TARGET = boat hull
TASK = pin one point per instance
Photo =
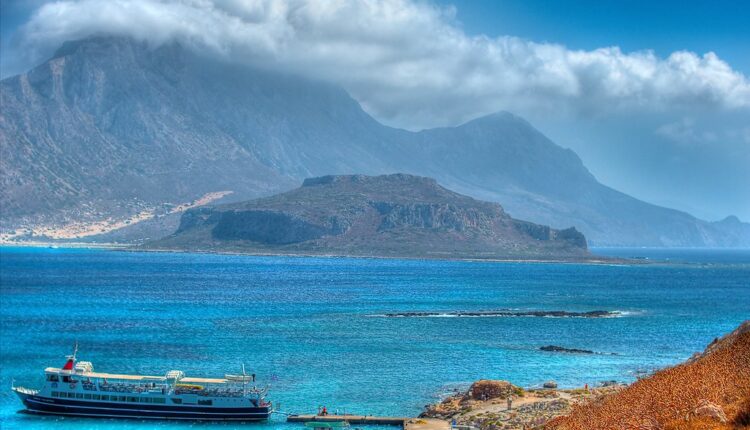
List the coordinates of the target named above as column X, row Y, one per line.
column 56, row 406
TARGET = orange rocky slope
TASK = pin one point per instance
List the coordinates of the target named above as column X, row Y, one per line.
column 710, row 391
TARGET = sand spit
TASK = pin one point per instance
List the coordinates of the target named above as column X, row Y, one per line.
column 79, row 230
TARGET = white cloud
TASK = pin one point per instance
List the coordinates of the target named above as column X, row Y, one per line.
column 686, row 132
column 407, row 62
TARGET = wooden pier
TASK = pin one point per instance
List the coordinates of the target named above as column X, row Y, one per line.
column 404, row 422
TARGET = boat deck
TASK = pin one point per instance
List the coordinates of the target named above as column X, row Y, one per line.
column 142, row 378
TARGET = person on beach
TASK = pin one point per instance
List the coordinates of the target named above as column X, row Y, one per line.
column 510, row 402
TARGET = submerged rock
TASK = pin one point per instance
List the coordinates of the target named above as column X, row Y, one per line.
column 555, row 348
column 541, row 314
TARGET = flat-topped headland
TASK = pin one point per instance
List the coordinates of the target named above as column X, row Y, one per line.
column 395, row 215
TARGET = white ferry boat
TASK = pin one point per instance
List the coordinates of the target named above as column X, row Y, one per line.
column 76, row 390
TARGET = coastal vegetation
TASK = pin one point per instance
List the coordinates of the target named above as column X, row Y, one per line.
column 709, row 391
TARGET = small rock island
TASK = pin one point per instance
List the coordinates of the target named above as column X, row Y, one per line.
column 395, row 215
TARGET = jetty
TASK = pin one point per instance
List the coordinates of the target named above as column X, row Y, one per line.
column 403, row 422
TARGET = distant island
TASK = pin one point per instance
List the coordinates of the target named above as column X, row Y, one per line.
column 395, row 215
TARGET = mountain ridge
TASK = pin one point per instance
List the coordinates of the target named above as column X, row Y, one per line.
column 110, row 127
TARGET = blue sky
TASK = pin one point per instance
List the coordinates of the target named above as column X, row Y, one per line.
column 665, row 26
column 654, row 96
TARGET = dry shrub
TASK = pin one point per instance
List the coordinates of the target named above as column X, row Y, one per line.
column 742, row 420
column 697, row 424
column 667, row 399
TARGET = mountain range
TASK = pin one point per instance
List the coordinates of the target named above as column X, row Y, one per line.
column 110, row 127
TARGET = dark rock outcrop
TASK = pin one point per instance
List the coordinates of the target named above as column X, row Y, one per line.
column 541, row 314
column 487, row 389
column 484, row 390
column 555, row 348
column 267, row 227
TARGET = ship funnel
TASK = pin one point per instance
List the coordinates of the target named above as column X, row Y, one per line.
column 70, row 363
column 71, row 359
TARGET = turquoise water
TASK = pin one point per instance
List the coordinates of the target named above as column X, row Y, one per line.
column 312, row 327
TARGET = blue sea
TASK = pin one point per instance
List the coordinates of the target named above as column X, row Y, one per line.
column 314, row 330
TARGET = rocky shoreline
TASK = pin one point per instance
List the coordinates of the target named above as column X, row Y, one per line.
column 485, row 404
column 709, row 391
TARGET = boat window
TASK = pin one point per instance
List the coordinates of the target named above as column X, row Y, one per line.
column 177, row 401
column 87, row 396
column 159, row 400
column 66, row 378
column 122, row 398
column 146, row 399
column 105, row 397
column 55, row 394
column 53, row 378
column 79, row 396
column 97, row 397
column 133, row 399
column 206, row 402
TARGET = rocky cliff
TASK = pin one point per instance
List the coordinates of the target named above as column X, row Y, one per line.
column 388, row 215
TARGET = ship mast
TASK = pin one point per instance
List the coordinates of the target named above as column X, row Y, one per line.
column 71, row 359
column 244, row 381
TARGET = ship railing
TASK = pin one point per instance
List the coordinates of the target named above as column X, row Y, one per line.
column 131, row 388
column 211, row 392
column 115, row 387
